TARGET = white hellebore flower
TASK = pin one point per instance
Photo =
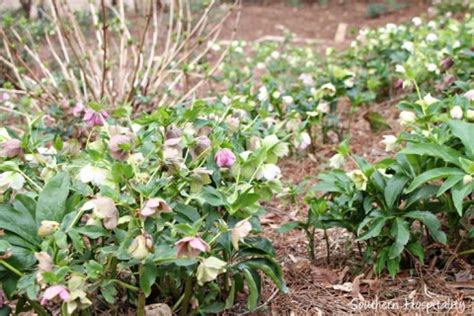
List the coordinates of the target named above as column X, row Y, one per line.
column 407, row 117
column 429, row 99
column 287, row 99
column 307, row 79
column 240, row 231
column 400, row 69
column 359, row 179
column 469, row 95
column 323, row 107
column 336, row 161
column 11, row 180
column 225, row 100
column 416, row 21
column 432, row 37
column 275, row 55
column 269, row 172
column 276, row 95
column 432, row 67
column 262, row 94
column 409, row 46
column 456, row 112
column 303, row 141
column 328, row 89
column 390, row 142
column 95, row 175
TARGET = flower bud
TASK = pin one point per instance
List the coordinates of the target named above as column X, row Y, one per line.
column 456, row 112
column 47, row 228
column 447, row 63
column 470, row 115
column 141, row 246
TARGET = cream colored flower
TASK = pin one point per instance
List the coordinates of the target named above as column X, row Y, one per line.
column 359, row 179
column 209, row 269
column 239, row 232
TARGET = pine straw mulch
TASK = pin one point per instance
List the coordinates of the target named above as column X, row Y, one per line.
column 338, row 287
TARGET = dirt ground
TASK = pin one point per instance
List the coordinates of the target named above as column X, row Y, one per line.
column 313, row 21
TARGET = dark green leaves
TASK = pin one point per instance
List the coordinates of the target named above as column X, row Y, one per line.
column 52, row 200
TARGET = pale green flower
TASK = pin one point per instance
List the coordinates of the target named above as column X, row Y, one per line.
column 359, row 179
column 209, row 269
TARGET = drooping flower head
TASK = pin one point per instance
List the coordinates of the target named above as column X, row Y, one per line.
column 118, row 146
column 225, row 158
column 191, row 247
column 154, row 206
column 55, row 291
column 93, row 118
column 10, row 148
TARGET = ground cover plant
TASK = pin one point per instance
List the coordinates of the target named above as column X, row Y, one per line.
column 136, row 168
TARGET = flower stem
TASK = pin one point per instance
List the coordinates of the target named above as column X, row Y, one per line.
column 188, row 291
column 11, row 268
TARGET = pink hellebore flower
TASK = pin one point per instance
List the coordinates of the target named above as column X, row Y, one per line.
column 10, row 148
column 115, row 146
column 54, row 291
column 154, row 206
column 77, row 109
column 5, row 97
column 224, row 158
column 191, row 247
column 93, row 118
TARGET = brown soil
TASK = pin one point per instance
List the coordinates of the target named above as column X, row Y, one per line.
column 313, row 21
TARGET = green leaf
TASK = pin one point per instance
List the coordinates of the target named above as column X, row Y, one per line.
column 148, row 274
column 417, row 250
column 467, row 165
column 432, row 175
column 213, row 197
column 252, row 288
column 434, row 150
column 229, row 302
column 52, row 200
column 449, row 183
column 393, row 265
column 374, row 230
column 288, row 226
column 271, row 269
column 394, row 188
column 402, row 236
column 431, row 222
column 92, row 231
column 465, row 132
column 459, row 192
column 19, row 223
column 381, row 260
